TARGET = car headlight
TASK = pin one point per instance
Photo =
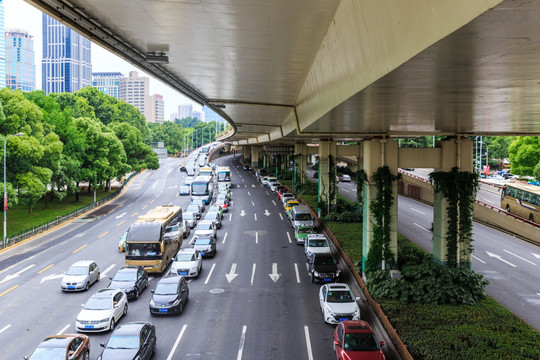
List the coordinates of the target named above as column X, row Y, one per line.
column 129, row 289
column 338, row 273
column 152, row 303
column 317, row 274
column 176, row 302
column 104, row 320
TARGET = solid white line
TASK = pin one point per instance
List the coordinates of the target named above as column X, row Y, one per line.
column 242, row 339
column 224, row 238
column 245, row 186
column 210, row 273
column 488, row 201
column 63, row 329
column 5, row 328
column 538, row 294
column 249, row 193
column 519, row 257
column 418, row 211
column 253, row 272
column 252, row 203
column 274, row 202
column 177, row 342
column 280, row 216
column 345, row 190
column 243, row 180
column 307, row 267
column 289, row 236
column 308, row 343
column 104, row 274
column 297, row 273
column 230, row 217
column 255, row 216
column 421, row 227
column 256, row 237
column 267, row 193
column 482, row 261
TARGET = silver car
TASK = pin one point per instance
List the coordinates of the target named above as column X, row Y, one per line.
column 80, row 276
column 191, row 218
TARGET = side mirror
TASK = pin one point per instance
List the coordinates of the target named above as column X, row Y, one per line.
column 152, row 291
column 102, row 344
column 382, row 343
column 336, row 342
column 110, row 277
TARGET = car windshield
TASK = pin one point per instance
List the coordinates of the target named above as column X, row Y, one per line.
column 324, row 260
column 98, row 303
column 166, row 289
column 188, row 216
column 303, row 217
column 185, row 257
column 171, row 229
column 360, row 342
column 47, row 353
column 77, row 270
column 193, row 208
column 123, row 342
column 204, row 226
column 305, row 230
column 339, row 296
column 125, row 276
column 203, row 241
column 318, row 243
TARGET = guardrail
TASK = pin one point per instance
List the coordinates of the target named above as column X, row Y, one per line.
column 27, row 233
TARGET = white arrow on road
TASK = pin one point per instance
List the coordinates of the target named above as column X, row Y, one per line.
column 17, row 274
column 242, row 213
column 266, row 212
column 51, row 277
column 274, row 275
column 499, row 257
column 536, row 255
column 232, row 274
column 121, row 215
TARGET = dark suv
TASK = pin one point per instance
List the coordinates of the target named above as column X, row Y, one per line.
column 132, row 340
column 132, row 280
column 323, row 268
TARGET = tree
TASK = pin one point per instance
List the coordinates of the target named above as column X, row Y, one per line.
column 524, row 155
column 33, row 185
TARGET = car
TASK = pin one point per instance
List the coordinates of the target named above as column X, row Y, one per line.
column 80, row 275
column 183, row 169
column 261, row 173
column 65, row 346
column 264, row 180
column 132, row 340
column 216, row 208
column 185, row 190
column 345, row 178
column 285, row 197
column 338, row 303
column 281, row 191
column 191, row 218
column 186, row 228
column 290, row 203
column 301, row 233
column 132, row 280
column 273, row 186
column 354, row 339
column 278, row 188
column 189, row 179
column 206, row 244
column 102, row 311
column 214, row 216
column 199, row 202
column 316, row 243
column 270, row 181
column 323, row 268
column 223, row 204
column 122, row 242
column 223, row 186
column 246, row 167
column 170, row 296
column 224, row 195
column 196, row 209
column 187, row 262
column 206, row 228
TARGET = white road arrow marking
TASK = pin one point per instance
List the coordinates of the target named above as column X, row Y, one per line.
column 232, row 274
column 274, row 275
column 500, row 258
column 51, row 277
column 121, row 215
column 536, row 255
column 519, row 257
column 266, row 212
column 104, row 274
column 17, row 274
column 242, row 213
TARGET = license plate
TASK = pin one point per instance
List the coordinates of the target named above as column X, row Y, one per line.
column 202, row 254
column 182, row 273
column 71, row 287
column 343, row 319
column 327, row 279
column 88, row 326
column 163, row 310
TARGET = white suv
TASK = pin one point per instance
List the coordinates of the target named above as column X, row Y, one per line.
column 316, row 243
column 338, row 303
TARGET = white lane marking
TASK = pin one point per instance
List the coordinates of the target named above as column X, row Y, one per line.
column 121, row 215
column 63, row 329
column 242, row 340
column 17, row 274
column 307, row 267
column 418, row 211
column 243, row 180
column 5, row 328
column 538, row 294
column 500, row 258
column 104, row 274
column 256, row 237
column 280, row 216
column 267, row 193
column 245, row 186
column 249, row 193
column 230, row 202
column 289, row 236
column 255, row 216
column 421, row 227
column 230, row 217
column 345, row 190
column 308, row 343
column 177, row 342
column 297, row 273
column 253, row 273
column 224, row 238
column 482, row 261
column 252, row 203
column 519, row 257
column 232, row 274
column 274, row 202
column 210, row 273
column 536, row 255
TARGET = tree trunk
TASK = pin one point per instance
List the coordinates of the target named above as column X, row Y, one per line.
column 77, row 192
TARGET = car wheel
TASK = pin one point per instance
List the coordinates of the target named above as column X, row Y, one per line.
column 508, row 208
column 312, row 278
column 136, row 294
column 531, row 218
column 86, row 355
column 154, row 348
column 125, row 310
column 112, row 324
column 87, row 285
column 98, row 276
column 181, row 308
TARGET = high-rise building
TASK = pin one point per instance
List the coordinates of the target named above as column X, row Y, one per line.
column 66, row 64
column 158, row 109
column 210, row 115
column 2, row 47
column 173, row 116
column 107, row 82
column 20, row 66
column 134, row 90
column 185, row 111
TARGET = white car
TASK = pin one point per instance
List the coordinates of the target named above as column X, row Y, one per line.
column 187, row 262
column 285, row 197
column 206, row 228
column 345, row 178
column 191, row 218
column 338, row 303
column 174, row 232
column 102, row 311
column 316, row 243
column 80, row 276
column 270, row 181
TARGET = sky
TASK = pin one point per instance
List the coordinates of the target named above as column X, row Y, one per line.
column 21, row 15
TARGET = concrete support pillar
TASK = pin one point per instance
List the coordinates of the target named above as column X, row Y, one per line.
column 255, row 156
column 378, row 153
column 454, row 153
column 300, row 150
column 246, row 153
column 326, row 148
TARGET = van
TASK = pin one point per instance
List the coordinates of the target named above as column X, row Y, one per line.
column 301, row 216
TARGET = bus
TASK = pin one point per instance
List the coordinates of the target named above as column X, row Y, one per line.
column 224, row 174
column 150, row 243
column 202, row 188
column 522, row 200
column 206, row 171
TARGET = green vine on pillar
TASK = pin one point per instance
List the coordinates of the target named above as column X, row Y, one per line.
column 361, row 178
column 459, row 188
column 332, row 184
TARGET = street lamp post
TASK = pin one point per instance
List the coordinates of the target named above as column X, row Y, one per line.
column 5, row 190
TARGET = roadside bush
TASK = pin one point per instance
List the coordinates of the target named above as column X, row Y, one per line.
column 307, row 188
column 346, row 217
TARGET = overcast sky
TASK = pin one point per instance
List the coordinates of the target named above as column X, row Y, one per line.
column 19, row 14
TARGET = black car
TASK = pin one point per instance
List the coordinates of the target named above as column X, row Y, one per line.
column 323, row 268
column 133, row 280
column 183, row 169
column 132, row 340
column 170, row 296
column 246, row 167
column 206, row 245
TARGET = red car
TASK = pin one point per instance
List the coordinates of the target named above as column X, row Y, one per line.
column 281, row 191
column 354, row 340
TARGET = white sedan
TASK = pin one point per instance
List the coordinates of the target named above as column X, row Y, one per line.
column 338, row 303
column 102, row 311
column 188, row 263
column 316, row 243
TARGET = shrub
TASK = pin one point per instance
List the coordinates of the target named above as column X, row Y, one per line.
column 346, row 217
column 307, row 188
